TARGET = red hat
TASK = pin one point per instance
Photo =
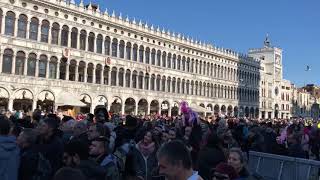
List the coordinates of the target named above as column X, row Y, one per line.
column 225, row 168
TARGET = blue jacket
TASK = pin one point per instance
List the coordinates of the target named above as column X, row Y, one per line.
column 9, row 158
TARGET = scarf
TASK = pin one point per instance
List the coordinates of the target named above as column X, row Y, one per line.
column 146, row 149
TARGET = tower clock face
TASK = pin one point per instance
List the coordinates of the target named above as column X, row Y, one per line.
column 276, row 91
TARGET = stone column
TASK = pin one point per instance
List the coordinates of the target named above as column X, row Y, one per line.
column 67, row 71
column 117, row 78
column 76, row 78
column 136, row 109
column 101, row 76
column 159, row 110
column 109, row 77
column 92, row 106
column 47, row 69
column 13, row 67
column 78, row 40
column 169, row 111
column 94, row 74
column 58, row 70
column 50, row 36
column 122, row 109
column 28, row 29
column 15, row 33
column 39, row 31
column 25, row 66
column 10, row 104
column 3, row 22
column 69, row 38
column 143, row 84
column 131, row 80
column 34, row 104
column 148, row 109
column 85, row 75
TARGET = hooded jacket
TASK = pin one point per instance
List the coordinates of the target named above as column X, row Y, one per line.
column 9, row 158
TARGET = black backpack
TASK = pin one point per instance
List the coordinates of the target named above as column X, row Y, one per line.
column 44, row 169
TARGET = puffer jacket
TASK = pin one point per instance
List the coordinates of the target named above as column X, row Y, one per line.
column 9, row 158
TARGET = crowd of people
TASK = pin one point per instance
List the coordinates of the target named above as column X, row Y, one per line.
column 101, row 146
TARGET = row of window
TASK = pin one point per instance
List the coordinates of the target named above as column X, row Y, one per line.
column 113, row 47
column 54, row 69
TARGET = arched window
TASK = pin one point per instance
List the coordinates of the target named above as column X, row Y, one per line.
column 91, row 40
column 174, row 62
column 120, row 77
column 10, row 22
column 34, row 26
column 147, row 55
column 43, row 66
column 45, row 31
column 196, row 88
column 74, row 37
column 208, row 69
column 192, row 88
column 114, row 76
column 83, row 39
column 1, row 16
column 168, row 84
column 158, row 58
column 64, row 35
column 31, row 68
column 114, row 47
column 121, row 49
column 135, row 52
column 53, row 67
column 107, row 42
column 99, row 43
column 22, row 26
column 55, row 33
column 164, row 59
column 183, row 86
column 153, row 57
column 200, row 67
column 187, row 86
column 183, row 63
column 152, row 82
column 146, row 81
column 163, row 84
column 141, row 53
column 89, row 70
column 140, row 80
column 128, row 80
column 192, row 65
column 197, row 66
column 7, row 61
column 178, row 85
column 169, row 61
column 173, row 85
column 200, row 88
column 158, row 83
column 179, row 63
column 134, row 79
column 128, row 51
column 20, row 60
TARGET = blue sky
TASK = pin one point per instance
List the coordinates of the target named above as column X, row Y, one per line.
column 293, row 25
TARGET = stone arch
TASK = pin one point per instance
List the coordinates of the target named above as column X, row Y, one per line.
column 101, row 100
column 143, row 107
column 86, row 99
column 154, row 107
column 23, row 99
column 236, row 111
column 45, row 100
column 165, row 106
column 175, row 108
column 4, row 98
column 129, row 106
column 116, row 105
column 216, row 109
column 223, row 109
column 229, row 110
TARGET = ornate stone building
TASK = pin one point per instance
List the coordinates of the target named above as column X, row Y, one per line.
column 56, row 52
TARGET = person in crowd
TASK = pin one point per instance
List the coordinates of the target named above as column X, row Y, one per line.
column 237, row 160
column 174, row 161
column 50, row 141
column 67, row 126
column 305, row 142
column 76, row 155
column 68, row 173
column 9, row 152
column 210, row 156
column 101, row 114
column 224, row 171
column 29, row 155
column 80, row 132
column 294, row 145
column 96, row 130
column 144, row 156
column 100, row 152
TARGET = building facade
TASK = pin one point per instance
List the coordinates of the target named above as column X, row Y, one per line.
column 275, row 92
column 51, row 50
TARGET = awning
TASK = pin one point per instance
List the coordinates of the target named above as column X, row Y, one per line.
column 199, row 109
column 68, row 99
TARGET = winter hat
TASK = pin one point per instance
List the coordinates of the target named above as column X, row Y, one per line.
column 227, row 169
